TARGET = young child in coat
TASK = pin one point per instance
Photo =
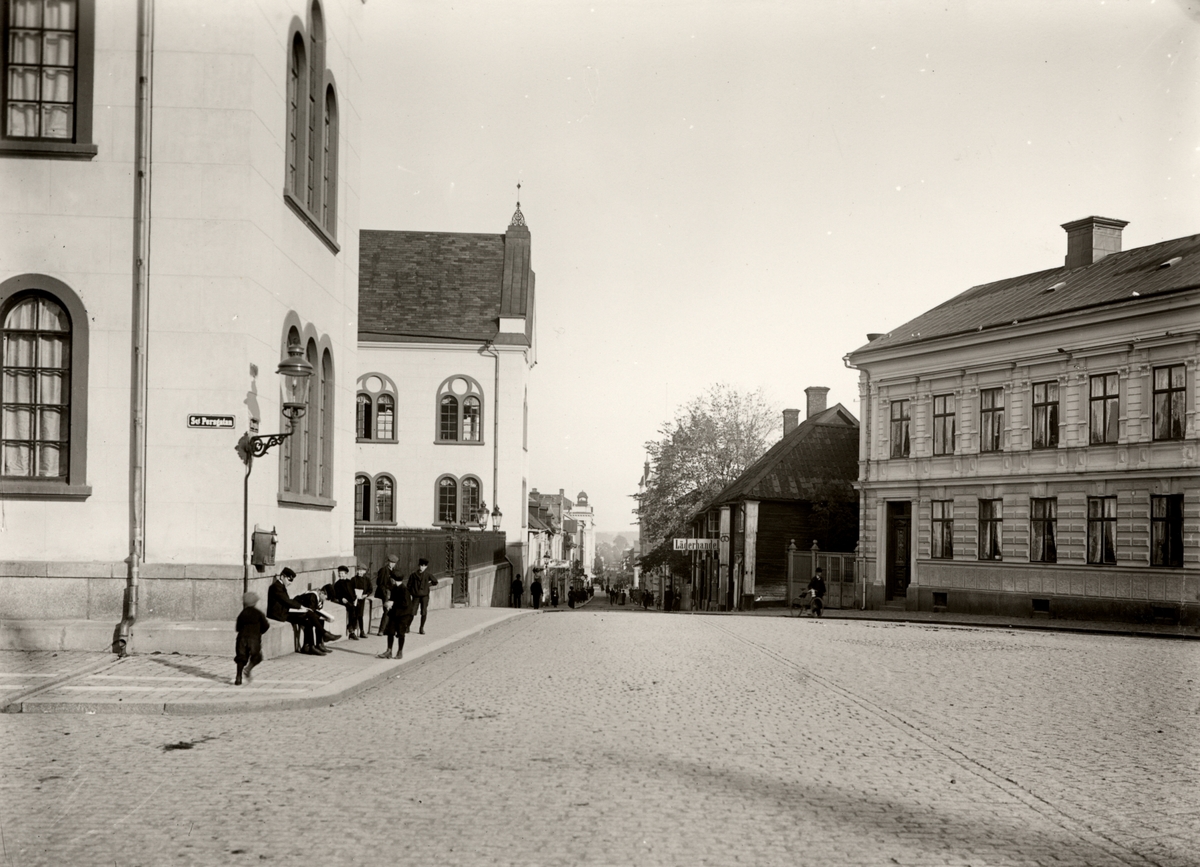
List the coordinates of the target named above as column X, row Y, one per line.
column 251, row 624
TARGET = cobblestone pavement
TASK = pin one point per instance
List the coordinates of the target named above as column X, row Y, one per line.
column 602, row 737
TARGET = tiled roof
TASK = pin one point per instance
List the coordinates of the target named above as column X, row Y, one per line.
column 429, row 284
column 819, row 457
column 1129, row 277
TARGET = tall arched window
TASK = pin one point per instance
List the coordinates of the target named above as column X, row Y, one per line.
column 329, row 163
column 325, row 447
column 447, row 500
column 362, row 422
column 460, row 411
column 36, row 392
column 295, row 119
column 311, row 423
column 306, row 458
column 385, row 417
column 316, row 67
column 470, row 500
column 362, row 498
column 384, row 486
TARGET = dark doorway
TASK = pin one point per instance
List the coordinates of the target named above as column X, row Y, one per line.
column 899, row 540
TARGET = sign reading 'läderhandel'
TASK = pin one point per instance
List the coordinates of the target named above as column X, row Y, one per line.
column 218, row 422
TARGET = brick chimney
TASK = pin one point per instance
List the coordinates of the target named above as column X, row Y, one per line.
column 816, row 399
column 791, row 418
column 1091, row 239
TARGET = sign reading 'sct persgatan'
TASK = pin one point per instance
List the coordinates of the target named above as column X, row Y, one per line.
column 216, row 422
column 695, row 544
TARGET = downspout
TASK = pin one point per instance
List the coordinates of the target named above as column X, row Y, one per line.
column 141, row 319
column 490, row 349
column 865, row 411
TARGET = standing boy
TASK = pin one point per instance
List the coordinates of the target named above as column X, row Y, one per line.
column 398, row 613
column 419, row 583
column 251, row 624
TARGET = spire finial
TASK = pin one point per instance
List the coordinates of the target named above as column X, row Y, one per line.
column 518, row 219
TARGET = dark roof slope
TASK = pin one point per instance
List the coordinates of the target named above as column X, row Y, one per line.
column 819, row 457
column 1119, row 278
column 429, row 284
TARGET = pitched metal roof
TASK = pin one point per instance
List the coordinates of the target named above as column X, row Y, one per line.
column 817, row 458
column 1129, row 277
column 443, row 285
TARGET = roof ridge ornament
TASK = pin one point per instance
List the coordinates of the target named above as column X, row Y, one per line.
column 518, row 219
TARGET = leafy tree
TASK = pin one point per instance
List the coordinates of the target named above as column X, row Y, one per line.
column 711, row 441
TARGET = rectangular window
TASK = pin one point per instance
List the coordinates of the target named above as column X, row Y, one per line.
column 943, row 424
column 1102, row 530
column 1104, row 401
column 942, row 530
column 1170, row 390
column 1043, row 530
column 1166, row 530
column 714, row 523
column 991, row 419
column 900, row 444
column 991, row 520
column 1045, row 415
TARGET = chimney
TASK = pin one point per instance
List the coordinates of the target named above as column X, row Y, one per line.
column 791, row 418
column 816, row 399
column 1091, row 239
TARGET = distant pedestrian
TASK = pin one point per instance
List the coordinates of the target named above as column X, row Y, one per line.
column 398, row 610
column 517, row 589
column 554, row 593
column 612, row 596
column 419, row 583
column 571, row 598
column 668, row 598
column 251, row 624
column 535, row 592
column 816, row 589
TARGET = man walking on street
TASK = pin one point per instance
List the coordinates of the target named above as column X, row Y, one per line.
column 535, row 591
column 518, row 590
column 419, row 583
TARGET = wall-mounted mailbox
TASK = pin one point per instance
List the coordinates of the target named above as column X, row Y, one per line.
column 262, row 548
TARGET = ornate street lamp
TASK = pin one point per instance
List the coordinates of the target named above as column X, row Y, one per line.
column 496, row 516
column 297, row 374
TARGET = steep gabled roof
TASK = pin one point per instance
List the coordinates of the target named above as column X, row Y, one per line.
column 1130, row 277
column 818, row 457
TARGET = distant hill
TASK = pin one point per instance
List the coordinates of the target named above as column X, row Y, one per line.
column 631, row 536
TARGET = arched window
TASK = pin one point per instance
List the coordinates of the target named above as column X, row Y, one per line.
column 362, row 498
column 362, row 422
column 43, row 388
column 329, row 163
column 37, row 389
column 384, row 486
column 306, row 457
column 460, row 411
column 316, row 67
column 470, row 500
column 325, row 480
column 447, row 500
column 311, row 423
column 295, row 108
column 385, row 418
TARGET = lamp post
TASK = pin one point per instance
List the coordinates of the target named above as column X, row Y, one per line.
column 296, row 373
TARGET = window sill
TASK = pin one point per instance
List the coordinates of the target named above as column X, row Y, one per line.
column 369, row 441
column 49, row 150
column 311, row 222
column 29, row 490
column 360, row 523
column 306, row 501
column 458, row 443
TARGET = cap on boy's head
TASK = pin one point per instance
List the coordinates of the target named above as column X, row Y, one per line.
column 392, row 558
column 819, row 570
column 360, row 565
column 343, row 568
column 287, row 573
column 249, row 599
column 422, row 562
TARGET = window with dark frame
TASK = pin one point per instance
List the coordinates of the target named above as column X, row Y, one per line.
column 1045, row 415
column 1104, row 404
column 991, row 419
column 362, row 421
column 1166, row 530
column 1043, row 530
column 385, row 417
column 448, row 418
column 470, row 500
column 362, row 498
column 447, row 500
column 1170, row 393
column 943, row 424
column 384, row 499
column 471, row 432
column 35, row 394
column 1102, row 531
column 899, row 432
column 991, row 518
column 942, row 530
column 459, row 411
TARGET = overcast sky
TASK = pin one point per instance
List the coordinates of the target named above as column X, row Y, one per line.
column 739, row 191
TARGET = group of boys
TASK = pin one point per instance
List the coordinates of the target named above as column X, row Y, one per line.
column 401, row 599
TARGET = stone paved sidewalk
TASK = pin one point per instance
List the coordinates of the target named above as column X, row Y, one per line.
column 45, row 682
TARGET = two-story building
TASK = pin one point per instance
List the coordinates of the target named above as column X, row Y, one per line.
column 180, row 216
column 1029, row 447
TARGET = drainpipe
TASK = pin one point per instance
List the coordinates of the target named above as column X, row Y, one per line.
column 490, row 349
column 865, row 409
column 141, row 319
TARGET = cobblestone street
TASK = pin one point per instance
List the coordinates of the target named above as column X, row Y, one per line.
column 611, row 736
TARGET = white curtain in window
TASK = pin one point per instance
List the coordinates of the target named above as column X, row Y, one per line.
column 26, row 13
column 18, row 350
column 18, row 423
column 18, row 386
column 16, row 459
column 61, row 14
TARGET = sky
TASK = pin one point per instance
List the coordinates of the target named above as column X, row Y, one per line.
column 739, row 192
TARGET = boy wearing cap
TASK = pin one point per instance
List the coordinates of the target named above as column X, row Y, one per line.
column 361, row 587
column 251, row 624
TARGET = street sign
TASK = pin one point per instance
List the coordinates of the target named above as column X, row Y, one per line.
column 695, row 544
column 215, row 422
